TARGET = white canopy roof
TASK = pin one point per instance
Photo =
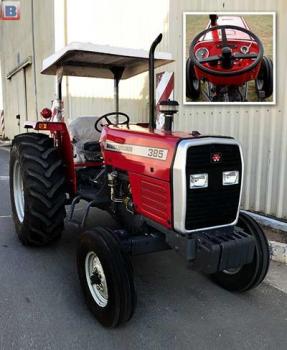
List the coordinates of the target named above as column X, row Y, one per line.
column 90, row 60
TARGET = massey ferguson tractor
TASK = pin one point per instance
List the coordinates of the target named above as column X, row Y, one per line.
column 223, row 59
column 166, row 189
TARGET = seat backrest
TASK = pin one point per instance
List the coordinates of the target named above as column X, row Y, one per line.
column 83, row 128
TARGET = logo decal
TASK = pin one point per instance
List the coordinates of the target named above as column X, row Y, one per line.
column 142, row 151
column 216, row 157
column 10, row 10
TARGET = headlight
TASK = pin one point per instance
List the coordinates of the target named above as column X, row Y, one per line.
column 198, row 181
column 230, row 178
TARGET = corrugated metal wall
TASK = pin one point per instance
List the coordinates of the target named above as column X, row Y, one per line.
column 262, row 130
column 129, row 23
column 31, row 36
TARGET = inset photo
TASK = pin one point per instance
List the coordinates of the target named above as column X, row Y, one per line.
column 229, row 58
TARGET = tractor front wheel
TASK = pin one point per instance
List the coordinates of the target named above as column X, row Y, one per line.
column 37, row 189
column 251, row 275
column 106, row 277
column 193, row 87
column 264, row 81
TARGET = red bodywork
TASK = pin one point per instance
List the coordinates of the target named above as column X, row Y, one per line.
column 150, row 179
column 211, row 41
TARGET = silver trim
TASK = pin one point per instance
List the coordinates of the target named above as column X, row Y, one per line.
column 179, row 181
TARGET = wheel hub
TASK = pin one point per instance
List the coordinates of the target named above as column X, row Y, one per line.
column 18, row 190
column 96, row 279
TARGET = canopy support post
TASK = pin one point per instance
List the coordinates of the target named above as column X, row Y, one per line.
column 59, row 102
column 118, row 73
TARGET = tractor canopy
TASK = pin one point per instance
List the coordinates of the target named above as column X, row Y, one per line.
column 101, row 61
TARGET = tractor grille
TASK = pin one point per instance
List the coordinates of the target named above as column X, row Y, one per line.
column 217, row 204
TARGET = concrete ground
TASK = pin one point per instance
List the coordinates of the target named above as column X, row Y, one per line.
column 41, row 305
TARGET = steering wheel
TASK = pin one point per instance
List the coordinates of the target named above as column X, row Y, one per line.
column 109, row 122
column 227, row 57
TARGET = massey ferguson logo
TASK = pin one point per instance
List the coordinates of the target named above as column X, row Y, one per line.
column 9, row 10
column 216, row 157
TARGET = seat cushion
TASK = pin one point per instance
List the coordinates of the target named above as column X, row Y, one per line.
column 83, row 129
column 85, row 138
column 92, row 146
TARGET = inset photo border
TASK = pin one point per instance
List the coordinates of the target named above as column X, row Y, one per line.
column 232, row 64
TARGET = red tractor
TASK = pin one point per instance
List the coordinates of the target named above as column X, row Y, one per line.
column 224, row 58
column 166, row 189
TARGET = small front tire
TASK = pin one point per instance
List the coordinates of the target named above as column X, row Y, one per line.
column 264, row 81
column 193, row 86
column 106, row 277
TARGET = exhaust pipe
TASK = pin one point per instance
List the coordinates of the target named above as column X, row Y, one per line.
column 151, row 82
column 213, row 20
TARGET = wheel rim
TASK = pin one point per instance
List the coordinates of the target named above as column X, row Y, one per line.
column 195, row 83
column 259, row 83
column 96, row 279
column 18, row 190
column 232, row 271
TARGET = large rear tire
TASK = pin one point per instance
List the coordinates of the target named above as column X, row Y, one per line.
column 37, row 189
column 106, row 277
column 251, row 275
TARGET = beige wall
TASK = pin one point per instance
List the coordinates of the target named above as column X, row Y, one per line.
column 16, row 45
column 262, row 130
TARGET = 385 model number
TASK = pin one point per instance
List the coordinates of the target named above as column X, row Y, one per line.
column 157, row 153
column 137, row 150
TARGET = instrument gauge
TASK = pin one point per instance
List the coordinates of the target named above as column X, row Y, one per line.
column 244, row 49
column 202, row 53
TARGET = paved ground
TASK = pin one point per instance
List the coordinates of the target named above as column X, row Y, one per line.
column 41, row 306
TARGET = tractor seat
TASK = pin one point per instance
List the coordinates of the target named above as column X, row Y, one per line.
column 85, row 139
column 92, row 151
column 92, row 146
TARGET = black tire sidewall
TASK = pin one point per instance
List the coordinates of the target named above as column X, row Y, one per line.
column 250, row 275
column 191, row 91
column 44, row 192
column 266, row 75
column 90, row 241
column 20, row 226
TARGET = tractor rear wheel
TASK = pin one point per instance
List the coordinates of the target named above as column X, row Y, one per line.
column 193, row 87
column 251, row 275
column 106, row 277
column 264, row 81
column 37, row 189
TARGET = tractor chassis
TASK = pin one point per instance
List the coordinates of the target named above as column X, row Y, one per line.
column 208, row 251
